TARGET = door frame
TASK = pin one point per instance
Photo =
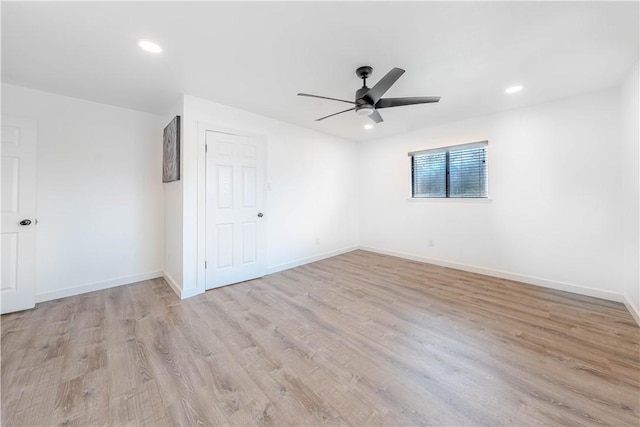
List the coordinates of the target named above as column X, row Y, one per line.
column 201, row 249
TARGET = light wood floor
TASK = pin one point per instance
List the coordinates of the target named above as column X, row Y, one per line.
column 360, row 339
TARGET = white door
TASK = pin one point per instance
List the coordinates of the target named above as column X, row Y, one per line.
column 235, row 201
column 18, row 171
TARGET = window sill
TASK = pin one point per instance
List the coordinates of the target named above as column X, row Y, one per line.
column 480, row 200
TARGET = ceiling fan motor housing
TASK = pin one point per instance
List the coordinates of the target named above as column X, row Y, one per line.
column 361, row 96
column 365, row 106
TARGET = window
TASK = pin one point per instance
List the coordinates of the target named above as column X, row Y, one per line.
column 450, row 172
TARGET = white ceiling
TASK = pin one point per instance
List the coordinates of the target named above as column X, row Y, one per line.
column 257, row 56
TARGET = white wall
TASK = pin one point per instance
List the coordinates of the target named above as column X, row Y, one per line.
column 555, row 183
column 99, row 192
column 313, row 181
column 559, row 216
column 173, row 205
column 630, row 159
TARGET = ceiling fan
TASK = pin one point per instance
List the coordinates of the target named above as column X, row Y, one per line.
column 369, row 100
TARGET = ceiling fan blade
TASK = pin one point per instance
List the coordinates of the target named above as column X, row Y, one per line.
column 324, row 97
column 398, row 102
column 380, row 88
column 376, row 117
column 335, row 114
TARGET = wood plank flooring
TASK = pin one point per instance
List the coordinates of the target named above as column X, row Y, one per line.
column 358, row 339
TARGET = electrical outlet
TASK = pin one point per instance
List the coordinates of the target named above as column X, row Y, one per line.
column 431, row 243
column 317, row 240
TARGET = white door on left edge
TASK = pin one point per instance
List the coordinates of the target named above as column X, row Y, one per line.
column 18, row 236
column 235, row 216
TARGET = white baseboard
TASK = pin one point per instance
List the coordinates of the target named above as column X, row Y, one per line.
column 182, row 294
column 77, row 290
column 635, row 311
column 188, row 293
column 561, row 286
column 303, row 261
column 172, row 283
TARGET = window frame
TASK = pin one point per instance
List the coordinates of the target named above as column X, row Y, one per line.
column 447, row 149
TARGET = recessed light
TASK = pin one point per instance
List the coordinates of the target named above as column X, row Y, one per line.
column 149, row 46
column 368, row 126
column 514, row 89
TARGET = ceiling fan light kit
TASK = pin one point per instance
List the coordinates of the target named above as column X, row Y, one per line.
column 369, row 100
column 365, row 110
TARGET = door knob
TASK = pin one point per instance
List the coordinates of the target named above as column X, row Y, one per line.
column 260, row 215
column 25, row 222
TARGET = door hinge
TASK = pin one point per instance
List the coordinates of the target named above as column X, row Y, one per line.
column 206, row 148
column 205, row 264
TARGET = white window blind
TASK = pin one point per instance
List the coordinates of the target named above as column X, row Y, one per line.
column 451, row 172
